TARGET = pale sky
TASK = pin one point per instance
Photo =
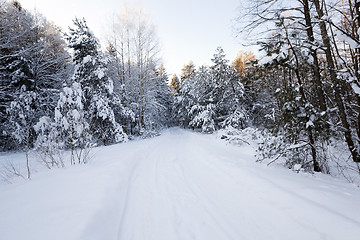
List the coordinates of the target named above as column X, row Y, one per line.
column 187, row 29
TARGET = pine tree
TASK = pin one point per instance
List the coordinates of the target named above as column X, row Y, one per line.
column 161, row 101
column 211, row 97
column 184, row 101
column 202, row 113
column 96, row 86
column 33, row 58
column 14, row 64
column 226, row 92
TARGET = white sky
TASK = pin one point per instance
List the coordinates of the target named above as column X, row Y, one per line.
column 187, row 29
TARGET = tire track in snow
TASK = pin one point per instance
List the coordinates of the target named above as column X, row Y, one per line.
column 126, row 197
column 130, row 183
column 205, row 201
column 183, row 186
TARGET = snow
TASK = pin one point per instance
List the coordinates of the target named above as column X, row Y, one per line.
column 65, row 124
column 88, row 58
column 309, row 124
column 356, row 88
column 352, row 43
column 266, row 60
column 41, row 125
column 67, row 91
column 181, row 185
column 297, row 167
column 58, row 116
column 76, row 115
column 100, row 74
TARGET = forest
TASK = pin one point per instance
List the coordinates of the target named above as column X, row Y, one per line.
column 60, row 90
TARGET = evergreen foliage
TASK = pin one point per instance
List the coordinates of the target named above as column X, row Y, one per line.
column 211, row 97
column 64, row 93
column 95, row 85
column 32, row 59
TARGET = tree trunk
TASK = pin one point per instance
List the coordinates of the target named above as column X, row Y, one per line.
column 315, row 66
column 316, row 164
column 356, row 59
column 337, row 87
column 27, row 163
column 304, row 102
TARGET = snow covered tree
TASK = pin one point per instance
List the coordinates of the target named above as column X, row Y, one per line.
column 202, row 112
column 14, row 65
column 22, row 117
column 226, row 92
column 288, row 52
column 49, row 65
column 96, row 86
column 135, row 52
column 33, row 56
column 50, row 143
column 120, row 98
column 312, row 72
column 211, row 97
column 203, row 118
column 159, row 99
column 71, row 124
column 184, row 101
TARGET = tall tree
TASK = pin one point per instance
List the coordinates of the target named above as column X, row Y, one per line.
column 185, row 99
column 211, row 97
column 227, row 92
column 22, row 120
column 312, row 70
column 136, row 49
column 354, row 148
column 33, row 58
column 97, row 87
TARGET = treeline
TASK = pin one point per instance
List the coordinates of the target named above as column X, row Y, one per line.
column 62, row 91
column 303, row 94
column 210, row 97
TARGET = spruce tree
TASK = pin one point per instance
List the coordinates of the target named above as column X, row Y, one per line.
column 33, row 58
column 96, row 85
column 227, row 92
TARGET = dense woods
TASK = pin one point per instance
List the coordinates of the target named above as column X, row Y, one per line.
column 311, row 75
column 62, row 91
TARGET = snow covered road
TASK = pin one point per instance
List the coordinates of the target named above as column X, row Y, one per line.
column 178, row 186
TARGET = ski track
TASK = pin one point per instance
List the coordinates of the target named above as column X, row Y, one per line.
column 185, row 189
column 188, row 186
